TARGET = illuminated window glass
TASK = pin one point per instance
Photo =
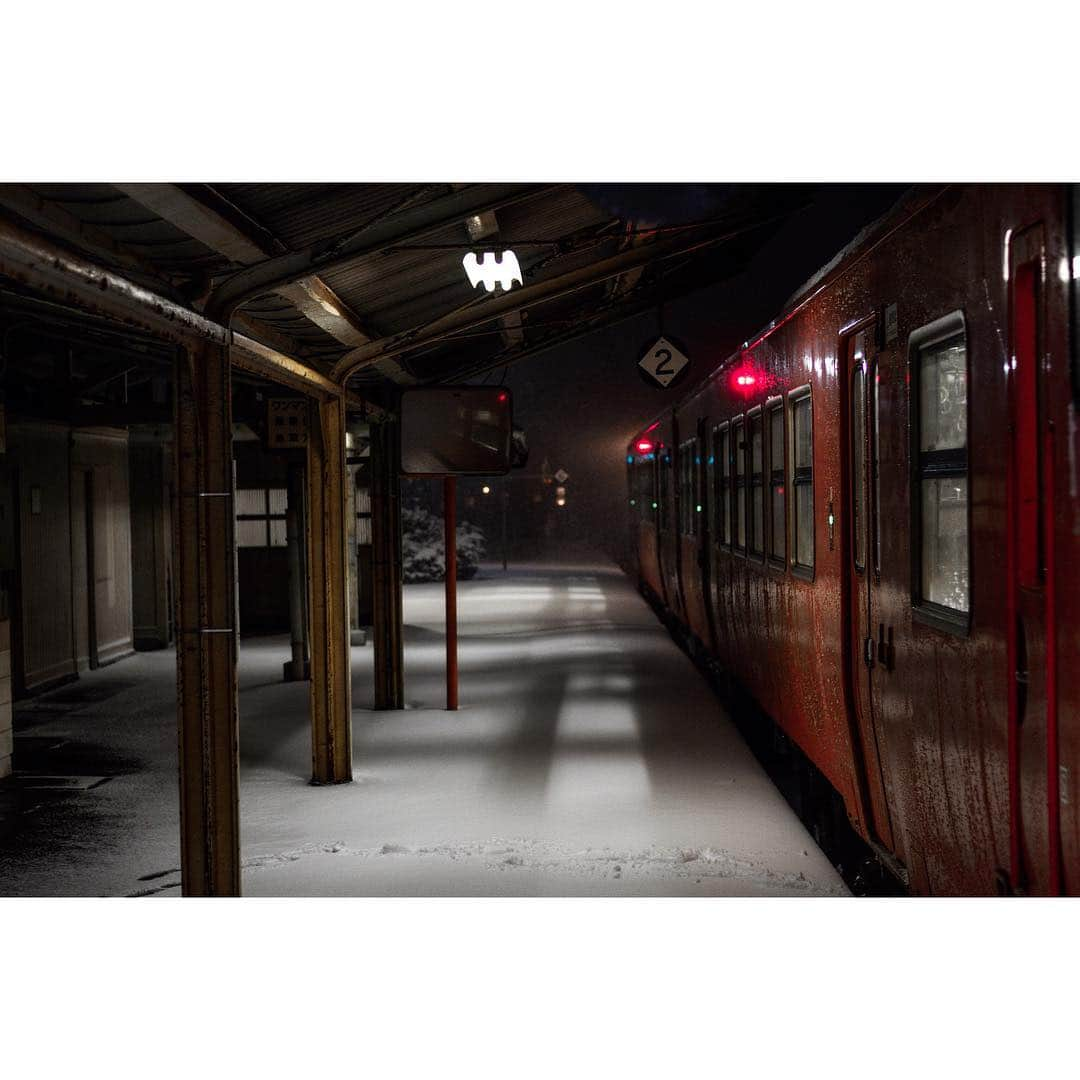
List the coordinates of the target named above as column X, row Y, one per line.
column 941, row 501
column 757, row 484
column 777, row 515
column 363, row 516
column 251, row 533
column 260, row 517
column 802, row 479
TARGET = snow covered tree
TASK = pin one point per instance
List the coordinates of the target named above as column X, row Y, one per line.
column 422, row 548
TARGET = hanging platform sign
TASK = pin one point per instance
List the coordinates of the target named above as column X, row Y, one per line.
column 664, row 364
column 491, row 270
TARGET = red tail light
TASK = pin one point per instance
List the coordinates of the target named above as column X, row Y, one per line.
column 745, row 378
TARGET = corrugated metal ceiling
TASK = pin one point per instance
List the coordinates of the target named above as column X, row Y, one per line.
column 400, row 289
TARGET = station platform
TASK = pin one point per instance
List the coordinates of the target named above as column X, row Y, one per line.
column 588, row 758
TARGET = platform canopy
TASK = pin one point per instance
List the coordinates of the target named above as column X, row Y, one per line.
column 365, row 283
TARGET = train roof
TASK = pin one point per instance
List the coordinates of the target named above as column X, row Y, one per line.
column 909, row 204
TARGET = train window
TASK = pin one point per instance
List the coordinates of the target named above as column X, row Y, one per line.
column 698, row 506
column 722, row 487
column 858, row 465
column 663, row 466
column 645, row 487
column 777, row 515
column 802, row 480
column 757, row 483
column 875, row 460
column 680, row 479
column 689, row 459
column 940, row 503
column 738, row 453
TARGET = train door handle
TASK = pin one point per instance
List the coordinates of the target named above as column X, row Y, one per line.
column 885, row 651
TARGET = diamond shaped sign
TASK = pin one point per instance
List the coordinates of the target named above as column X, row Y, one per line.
column 663, row 363
column 562, row 476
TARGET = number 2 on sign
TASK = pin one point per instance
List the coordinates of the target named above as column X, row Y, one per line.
column 664, row 356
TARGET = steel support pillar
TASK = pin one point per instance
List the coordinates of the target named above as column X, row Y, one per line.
column 205, row 623
column 328, row 597
column 389, row 644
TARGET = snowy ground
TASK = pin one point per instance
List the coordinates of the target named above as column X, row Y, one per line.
column 588, row 758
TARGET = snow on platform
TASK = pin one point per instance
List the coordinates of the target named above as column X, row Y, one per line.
column 589, row 757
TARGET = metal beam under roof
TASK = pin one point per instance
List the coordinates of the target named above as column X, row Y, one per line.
column 408, row 225
column 491, row 309
column 311, row 296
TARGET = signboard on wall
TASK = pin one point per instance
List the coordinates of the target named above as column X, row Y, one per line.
column 286, row 423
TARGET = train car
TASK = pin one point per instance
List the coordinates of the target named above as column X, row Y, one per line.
column 869, row 517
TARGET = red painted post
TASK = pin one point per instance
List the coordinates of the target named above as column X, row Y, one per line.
column 450, row 526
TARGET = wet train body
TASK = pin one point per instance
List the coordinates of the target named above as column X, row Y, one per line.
column 868, row 518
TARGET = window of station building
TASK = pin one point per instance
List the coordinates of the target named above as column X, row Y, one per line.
column 260, row 517
column 363, row 515
column 722, row 483
column 777, row 467
column 738, row 453
column 757, row 483
column 941, row 582
column 802, row 481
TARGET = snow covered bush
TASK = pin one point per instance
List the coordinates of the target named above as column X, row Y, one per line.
column 422, row 547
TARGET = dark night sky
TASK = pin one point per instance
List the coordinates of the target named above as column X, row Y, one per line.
column 580, row 403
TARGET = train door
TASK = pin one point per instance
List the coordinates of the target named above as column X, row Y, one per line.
column 706, row 525
column 869, row 644
column 665, row 548
column 1035, row 840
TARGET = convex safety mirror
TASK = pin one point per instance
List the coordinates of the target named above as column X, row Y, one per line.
column 456, row 431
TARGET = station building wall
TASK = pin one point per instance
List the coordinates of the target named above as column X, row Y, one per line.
column 73, row 550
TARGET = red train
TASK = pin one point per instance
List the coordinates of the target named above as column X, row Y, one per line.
column 869, row 517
